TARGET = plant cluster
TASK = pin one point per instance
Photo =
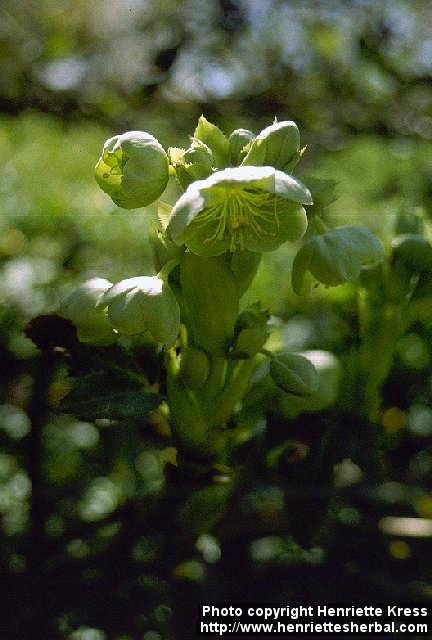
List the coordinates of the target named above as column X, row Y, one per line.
column 239, row 200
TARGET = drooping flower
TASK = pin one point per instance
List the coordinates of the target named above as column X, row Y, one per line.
column 81, row 308
column 144, row 303
column 254, row 208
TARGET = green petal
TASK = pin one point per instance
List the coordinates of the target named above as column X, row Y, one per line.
column 291, row 225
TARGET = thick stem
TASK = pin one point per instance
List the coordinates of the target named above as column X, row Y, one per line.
column 234, row 390
column 215, row 381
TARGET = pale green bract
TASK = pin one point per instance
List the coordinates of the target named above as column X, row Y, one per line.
column 336, row 256
column 253, row 208
column 81, row 308
column 144, row 303
column 133, row 169
column 277, row 146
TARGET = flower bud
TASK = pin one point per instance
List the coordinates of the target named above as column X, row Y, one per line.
column 133, row 169
column 294, row 374
column 196, row 163
column 239, row 141
column 80, row 307
column 276, row 146
column 141, row 304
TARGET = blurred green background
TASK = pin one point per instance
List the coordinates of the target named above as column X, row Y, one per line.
column 356, row 77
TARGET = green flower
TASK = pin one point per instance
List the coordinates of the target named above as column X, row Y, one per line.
column 142, row 304
column 133, row 169
column 254, row 208
column 81, row 308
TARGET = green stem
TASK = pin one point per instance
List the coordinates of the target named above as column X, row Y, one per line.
column 319, row 225
column 216, row 377
column 234, row 390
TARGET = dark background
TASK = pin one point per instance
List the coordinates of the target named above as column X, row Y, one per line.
column 92, row 553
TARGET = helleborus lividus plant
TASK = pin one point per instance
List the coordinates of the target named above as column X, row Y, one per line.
column 240, row 199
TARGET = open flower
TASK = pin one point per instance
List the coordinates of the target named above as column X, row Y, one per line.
column 254, row 208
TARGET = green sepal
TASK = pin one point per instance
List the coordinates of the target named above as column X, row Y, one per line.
column 275, row 146
column 329, row 372
column 249, row 342
column 213, row 137
column 204, row 508
column 294, row 374
column 336, row 256
column 239, row 142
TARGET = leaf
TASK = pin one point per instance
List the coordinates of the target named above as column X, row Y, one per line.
column 91, row 398
column 336, row 256
column 213, row 137
column 324, row 193
column 294, row 374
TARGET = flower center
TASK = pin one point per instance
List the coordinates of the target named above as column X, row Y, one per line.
column 241, row 211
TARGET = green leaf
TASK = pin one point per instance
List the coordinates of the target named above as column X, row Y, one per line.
column 91, row 398
column 336, row 256
column 294, row 374
column 213, row 137
column 324, row 193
